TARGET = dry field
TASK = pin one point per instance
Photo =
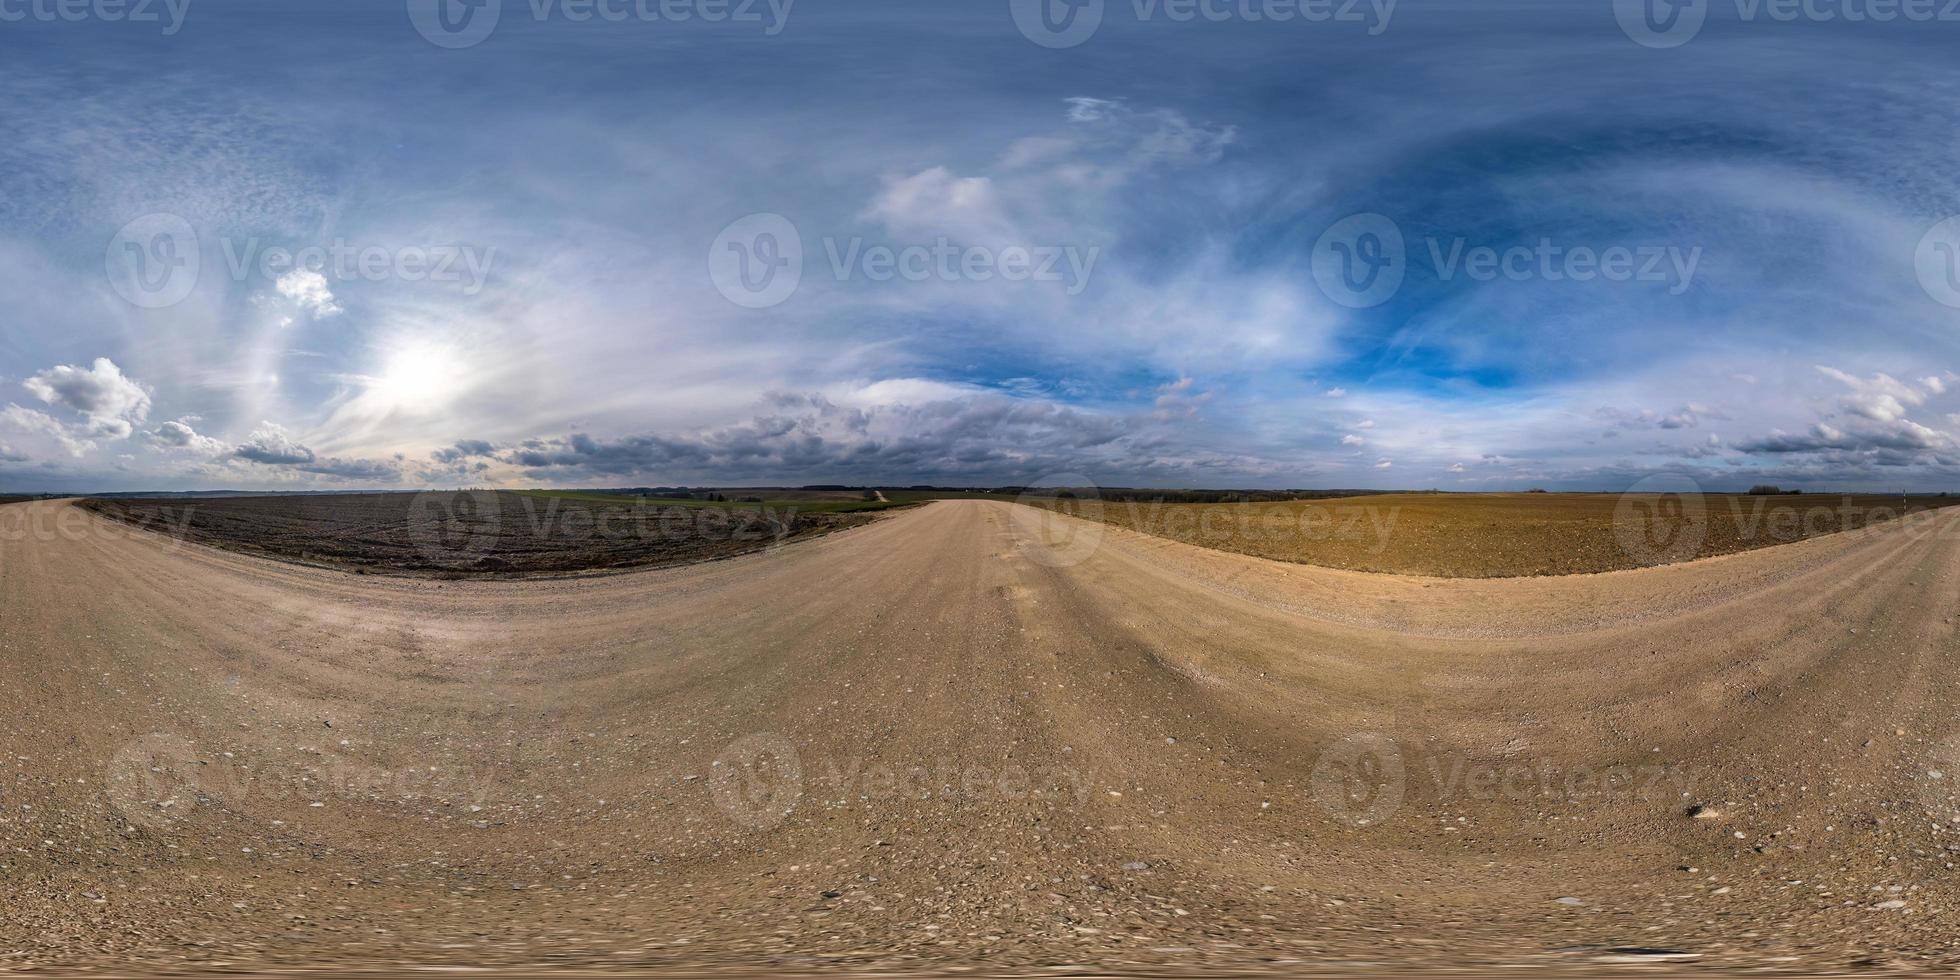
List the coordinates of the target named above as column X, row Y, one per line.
column 953, row 741
column 473, row 533
column 1501, row 535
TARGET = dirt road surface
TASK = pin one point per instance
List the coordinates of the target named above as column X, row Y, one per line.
column 975, row 735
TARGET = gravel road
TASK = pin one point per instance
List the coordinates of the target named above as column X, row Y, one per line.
column 975, row 735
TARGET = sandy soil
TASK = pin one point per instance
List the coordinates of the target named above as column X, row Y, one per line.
column 977, row 735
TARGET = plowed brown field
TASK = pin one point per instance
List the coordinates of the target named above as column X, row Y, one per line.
column 480, row 533
column 1500, row 535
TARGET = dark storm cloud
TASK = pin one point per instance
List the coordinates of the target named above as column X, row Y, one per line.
column 466, row 449
column 806, row 437
column 1902, row 442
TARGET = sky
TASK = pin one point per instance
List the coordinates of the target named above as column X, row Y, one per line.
column 1571, row 244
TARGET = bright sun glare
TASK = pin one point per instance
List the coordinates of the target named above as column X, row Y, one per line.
column 420, row 377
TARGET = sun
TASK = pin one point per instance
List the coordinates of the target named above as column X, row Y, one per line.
column 420, row 376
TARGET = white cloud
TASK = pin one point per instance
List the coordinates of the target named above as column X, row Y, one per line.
column 272, row 445
column 936, row 202
column 180, row 435
column 1147, row 136
column 111, row 402
column 1082, row 109
column 1337, row 392
column 1881, row 398
column 1353, row 441
column 45, row 430
column 1035, row 149
column 111, row 429
column 901, row 391
column 1177, row 400
column 310, row 290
